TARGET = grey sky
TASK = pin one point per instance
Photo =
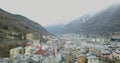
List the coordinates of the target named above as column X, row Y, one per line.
column 49, row 12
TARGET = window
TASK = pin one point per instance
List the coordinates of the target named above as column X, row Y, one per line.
column 20, row 52
column 90, row 60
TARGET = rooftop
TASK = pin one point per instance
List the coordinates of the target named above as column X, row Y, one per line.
column 92, row 57
column 105, row 51
column 17, row 48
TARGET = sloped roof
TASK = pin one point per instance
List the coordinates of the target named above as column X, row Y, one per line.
column 39, row 52
column 92, row 57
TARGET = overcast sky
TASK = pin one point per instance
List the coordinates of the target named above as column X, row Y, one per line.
column 50, row 12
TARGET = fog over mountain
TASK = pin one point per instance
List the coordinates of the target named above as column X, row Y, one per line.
column 105, row 22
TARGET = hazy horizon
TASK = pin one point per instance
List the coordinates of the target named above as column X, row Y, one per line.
column 52, row 12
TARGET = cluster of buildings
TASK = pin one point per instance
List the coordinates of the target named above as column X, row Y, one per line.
column 84, row 49
column 66, row 48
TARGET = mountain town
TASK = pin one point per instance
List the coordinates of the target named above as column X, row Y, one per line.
column 67, row 48
column 93, row 37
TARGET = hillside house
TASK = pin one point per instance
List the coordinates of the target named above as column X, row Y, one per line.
column 116, row 54
column 106, row 54
column 16, row 51
column 32, row 36
column 93, row 59
column 81, row 59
